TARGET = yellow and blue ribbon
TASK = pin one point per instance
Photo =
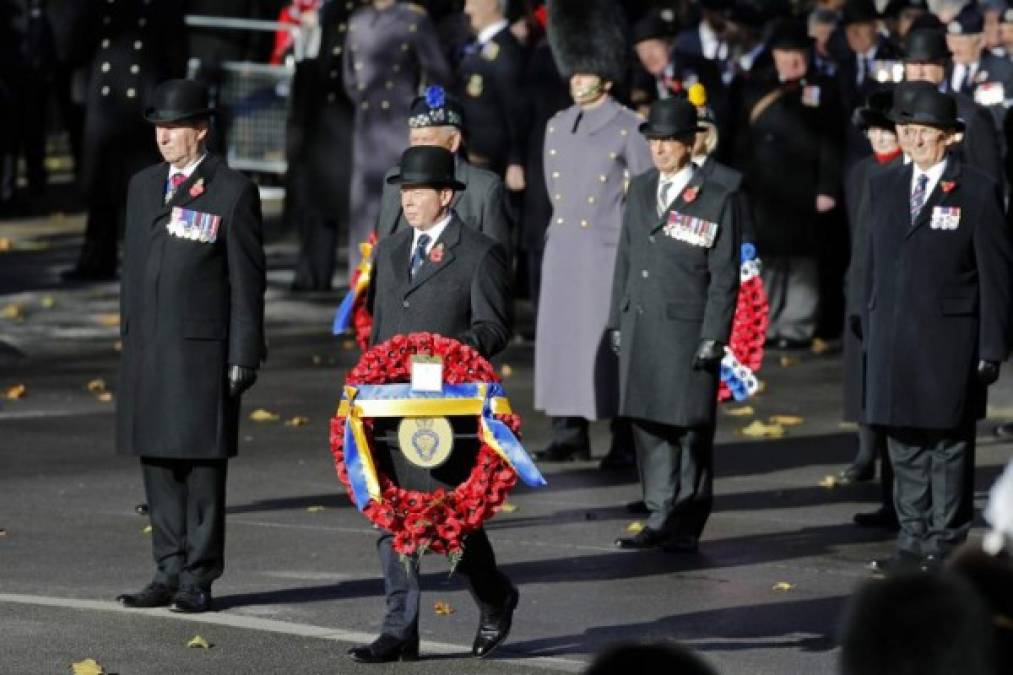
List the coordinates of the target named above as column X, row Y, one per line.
column 399, row 400
column 343, row 317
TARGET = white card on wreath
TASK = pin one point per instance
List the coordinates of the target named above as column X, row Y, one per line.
column 427, row 373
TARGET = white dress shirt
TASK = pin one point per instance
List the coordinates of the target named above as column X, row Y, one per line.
column 679, row 180
column 962, row 72
column 434, row 233
column 711, row 45
column 489, row 32
column 934, row 174
column 187, row 170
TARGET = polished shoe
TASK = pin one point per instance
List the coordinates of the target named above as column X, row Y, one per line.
column 152, row 595
column 563, row 453
column 642, row 540
column 899, row 563
column 386, row 649
column 617, row 460
column 638, row 507
column 493, row 627
column 882, row 518
column 680, row 545
column 856, row 474
column 191, row 600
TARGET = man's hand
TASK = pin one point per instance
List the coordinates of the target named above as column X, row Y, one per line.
column 241, row 378
column 615, row 341
column 825, row 203
column 708, row 355
column 988, row 372
column 514, row 178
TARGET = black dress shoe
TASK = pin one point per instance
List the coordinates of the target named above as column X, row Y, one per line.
column 386, row 649
column 563, row 453
column 638, row 507
column 191, row 601
column 857, row 474
column 933, row 562
column 152, row 595
column 881, row 517
column 899, row 563
column 644, row 539
column 493, row 627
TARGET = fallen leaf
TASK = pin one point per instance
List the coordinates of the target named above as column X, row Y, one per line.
column 786, row 420
column 109, row 319
column 16, row 392
column 3, row 532
column 261, row 415
column 297, row 421
column 118, row 346
column 819, row 346
column 146, row 530
column 847, row 426
column 828, row 481
column 317, row 359
column 348, row 345
column 198, row 642
column 87, row 667
column 13, row 311
column 741, row 411
column 47, row 302
column 105, row 397
column 5, row 244
column 507, row 507
column 314, row 509
column 634, row 527
column 761, row 387
column 788, row 361
column 97, row 386
column 443, row 608
column 783, row 586
column 757, row 429
column 506, row 370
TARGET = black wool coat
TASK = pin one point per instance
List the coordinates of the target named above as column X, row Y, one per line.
column 188, row 310
column 465, row 294
column 938, row 300
column 667, row 296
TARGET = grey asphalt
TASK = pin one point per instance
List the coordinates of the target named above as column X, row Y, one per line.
column 302, row 582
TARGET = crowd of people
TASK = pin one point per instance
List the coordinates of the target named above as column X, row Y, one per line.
column 612, row 161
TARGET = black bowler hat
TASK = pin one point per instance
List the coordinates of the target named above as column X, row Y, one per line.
column 427, row 166
column 435, row 108
column 652, row 26
column 926, row 44
column 671, row 118
column 747, row 13
column 969, row 21
column 789, row 34
column 932, row 108
column 903, row 98
column 895, row 7
column 859, row 11
column 876, row 112
column 178, row 101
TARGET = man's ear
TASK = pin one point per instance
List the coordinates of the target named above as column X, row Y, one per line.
column 446, row 196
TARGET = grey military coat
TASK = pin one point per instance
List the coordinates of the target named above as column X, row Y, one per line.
column 482, row 205
column 587, row 166
column 668, row 295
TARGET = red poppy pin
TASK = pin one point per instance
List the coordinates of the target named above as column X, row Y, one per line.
column 436, row 255
column 197, row 189
column 948, row 185
column 689, row 194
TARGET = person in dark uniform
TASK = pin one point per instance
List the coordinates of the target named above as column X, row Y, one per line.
column 490, row 91
column 320, row 149
column 465, row 294
column 673, row 299
column 438, row 119
column 192, row 321
column 936, row 323
column 137, row 45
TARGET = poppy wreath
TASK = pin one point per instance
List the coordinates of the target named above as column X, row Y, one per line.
column 352, row 313
column 749, row 330
column 434, row 521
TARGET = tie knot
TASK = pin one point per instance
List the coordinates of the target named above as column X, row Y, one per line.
column 423, row 240
column 922, row 181
column 177, row 179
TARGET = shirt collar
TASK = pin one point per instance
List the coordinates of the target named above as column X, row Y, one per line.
column 434, row 233
column 489, row 32
column 933, row 174
column 187, row 170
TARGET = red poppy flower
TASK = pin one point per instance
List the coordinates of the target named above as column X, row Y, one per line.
column 689, row 194
column 947, row 185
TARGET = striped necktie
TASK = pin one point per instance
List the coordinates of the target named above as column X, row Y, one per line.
column 666, row 185
column 918, row 196
column 419, row 256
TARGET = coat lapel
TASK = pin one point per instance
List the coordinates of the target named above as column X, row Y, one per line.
column 938, row 197
column 448, row 240
column 679, row 203
column 400, row 258
column 204, row 172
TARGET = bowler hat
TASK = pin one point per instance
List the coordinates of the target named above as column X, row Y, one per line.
column 926, row 44
column 789, row 34
column 427, row 166
column 435, row 108
column 178, row 101
column 969, row 21
column 895, row 7
column 875, row 112
column 903, row 98
column 652, row 26
column 671, row 118
column 859, row 11
column 932, row 108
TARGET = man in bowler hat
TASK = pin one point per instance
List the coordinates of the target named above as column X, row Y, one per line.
column 437, row 276
column 673, row 298
column 192, row 321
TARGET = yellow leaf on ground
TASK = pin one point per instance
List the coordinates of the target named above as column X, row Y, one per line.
column 757, row 429
column 118, row 346
column 97, row 386
column 787, row 420
column 506, row 370
column 507, row 507
column 47, row 302
column 105, row 396
column 3, row 532
column 261, row 415
column 5, row 244
column 828, row 481
column 198, row 642
column 761, row 387
column 317, row 359
column 443, row 608
column 15, row 392
column 783, row 586
column 348, row 345
column 13, row 311
column 109, row 319
column 634, row 527
column 87, row 667
column 788, row 361
column 819, row 346
column 741, row 411
column 297, row 421
column 146, row 530
column 314, row 509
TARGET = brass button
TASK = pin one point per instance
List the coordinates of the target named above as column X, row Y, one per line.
column 559, row 221
column 602, row 178
column 105, row 43
column 134, row 69
column 552, row 151
column 396, row 68
column 358, row 65
column 612, row 155
column 551, row 129
column 584, row 223
column 105, row 67
column 105, row 90
column 138, row 44
column 334, row 73
column 623, row 132
column 342, row 27
column 404, row 46
column 388, row 84
column 337, row 51
column 385, row 105
column 365, row 105
column 406, row 304
column 413, row 28
column 558, row 197
column 644, row 273
column 131, row 93
column 362, row 86
column 106, row 20
column 555, row 174
column 590, row 200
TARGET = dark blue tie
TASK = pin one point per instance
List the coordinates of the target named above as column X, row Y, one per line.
column 419, row 256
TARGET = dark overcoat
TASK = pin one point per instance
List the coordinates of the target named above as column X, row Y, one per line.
column 981, row 146
column 667, row 296
column 714, row 170
column 938, row 299
column 188, row 310
column 464, row 295
column 482, row 205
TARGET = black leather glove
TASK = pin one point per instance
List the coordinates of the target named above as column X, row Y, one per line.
column 708, row 355
column 855, row 324
column 988, row 372
column 241, row 378
column 615, row 341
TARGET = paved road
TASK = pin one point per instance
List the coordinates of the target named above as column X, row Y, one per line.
column 302, row 583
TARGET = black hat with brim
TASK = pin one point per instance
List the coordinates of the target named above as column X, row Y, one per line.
column 859, row 11
column 671, row 118
column 926, row 45
column 427, row 166
column 652, row 27
column 789, row 34
column 929, row 107
column 175, row 101
column 875, row 112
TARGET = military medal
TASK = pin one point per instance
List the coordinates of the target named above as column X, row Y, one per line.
column 989, row 94
column 475, row 85
column 490, row 50
column 425, row 442
column 690, row 229
column 811, row 96
column 945, row 218
column 193, row 225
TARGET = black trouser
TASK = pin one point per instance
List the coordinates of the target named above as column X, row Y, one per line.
column 572, row 432
column 318, row 240
column 101, row 238
column 872, row 445
column 677, row 476
column 933, row 487
column 186, row 504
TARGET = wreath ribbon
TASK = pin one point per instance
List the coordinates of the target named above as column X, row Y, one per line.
column 343, row 317
column 399, row 400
